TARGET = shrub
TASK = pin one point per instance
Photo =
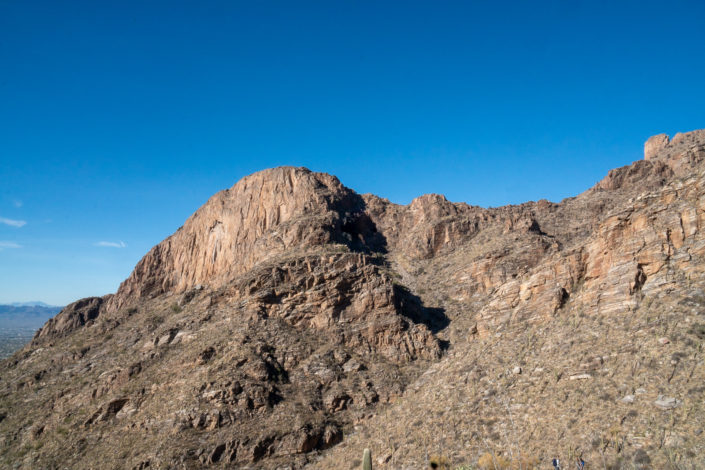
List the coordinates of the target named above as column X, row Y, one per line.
column 641, row 458
column 439, row 462
column 526, row 463
column 492, row 462
column 155, row 320
column 698, row 330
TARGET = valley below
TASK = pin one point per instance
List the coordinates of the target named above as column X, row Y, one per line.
column 19, row 323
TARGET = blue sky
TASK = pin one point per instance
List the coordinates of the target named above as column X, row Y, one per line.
column 119, row 119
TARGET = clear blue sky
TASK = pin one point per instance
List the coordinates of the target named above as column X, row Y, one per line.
column 119, row 119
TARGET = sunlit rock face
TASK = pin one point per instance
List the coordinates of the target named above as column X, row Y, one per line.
column 290, row 314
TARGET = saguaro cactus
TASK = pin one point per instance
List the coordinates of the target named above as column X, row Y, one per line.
column 366, row 460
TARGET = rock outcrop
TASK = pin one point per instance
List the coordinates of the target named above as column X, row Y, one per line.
column 654, row 145
column 347, row 297
column 72, row 317
column 682, row 153
column 261, row 217
column 290, row 315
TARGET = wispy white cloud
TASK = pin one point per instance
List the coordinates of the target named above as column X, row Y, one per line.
column 4, row 245
column 17, row 203
column 119, row 244
column 12, row 222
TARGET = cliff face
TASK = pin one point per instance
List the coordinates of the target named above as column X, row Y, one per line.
column 289, row 311
column 261, row 217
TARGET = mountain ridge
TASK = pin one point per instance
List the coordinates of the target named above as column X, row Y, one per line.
column 26, row 315
column 33, row 303
column 290, row 319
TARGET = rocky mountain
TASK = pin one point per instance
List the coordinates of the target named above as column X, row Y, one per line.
column 292, row 322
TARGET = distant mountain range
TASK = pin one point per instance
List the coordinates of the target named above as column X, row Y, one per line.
column 31, row 304
column 26, row 315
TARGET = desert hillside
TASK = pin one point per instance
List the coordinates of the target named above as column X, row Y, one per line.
column 291, row 322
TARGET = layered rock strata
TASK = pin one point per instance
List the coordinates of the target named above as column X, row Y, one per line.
column 290, row 315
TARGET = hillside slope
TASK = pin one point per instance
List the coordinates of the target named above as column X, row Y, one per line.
column 292, row 322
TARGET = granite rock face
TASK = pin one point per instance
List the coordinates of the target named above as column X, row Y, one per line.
column 654, row 145
column 682, row 154
column 262, row 216
column 290, row 314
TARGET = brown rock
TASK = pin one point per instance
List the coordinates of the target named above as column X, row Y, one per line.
column 262, row 216
column 72, row 317
column 289, row 309
column 655, row 144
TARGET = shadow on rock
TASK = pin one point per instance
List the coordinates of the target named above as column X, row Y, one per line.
column 355, row 227
column 412, row 307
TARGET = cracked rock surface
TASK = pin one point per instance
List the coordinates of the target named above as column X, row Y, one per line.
column 292, row 323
